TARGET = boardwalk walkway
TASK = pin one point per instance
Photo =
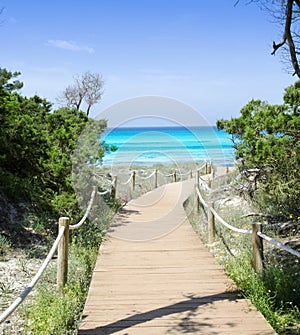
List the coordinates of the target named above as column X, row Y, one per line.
column 154, row 277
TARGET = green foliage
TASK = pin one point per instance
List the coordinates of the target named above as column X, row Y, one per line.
column 51, row 313
column 283, row 281
column 5, row 245
column 109, row 147
column 23, row 134
column 267, row 137
column 113, row 148
column 90, row 237
column 6, row 85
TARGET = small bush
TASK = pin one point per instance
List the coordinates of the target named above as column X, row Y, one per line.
column 284, row 282
column 5, row 245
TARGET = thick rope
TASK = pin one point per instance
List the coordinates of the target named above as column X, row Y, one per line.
column 108, row 189
column 165, row 175
column 278, row 244
column 105, row 192
column 218, row 217
column 183, row 174
column 87, row 212
column 144, row 178
column 128, row 181
column 201, row 167
column 245, row 231
column 237, row 230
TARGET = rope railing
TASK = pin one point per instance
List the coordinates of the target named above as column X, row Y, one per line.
column 279, row 245
column 105, row 192
column 165, row 175
column 138, row 175
column 128, row 181
column 184, row 174
column 109, row 188
column 202, row 166
column 148, row 177
column 87, row 212
column 257, row 235
column 224, row 223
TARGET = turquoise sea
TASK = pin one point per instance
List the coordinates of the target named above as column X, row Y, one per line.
column 167, row 145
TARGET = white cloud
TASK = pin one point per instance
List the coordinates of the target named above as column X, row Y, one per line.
column 69, row 45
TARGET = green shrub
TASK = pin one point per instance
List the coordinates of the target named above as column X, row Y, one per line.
column 284, row 282
column 54, row 313
column 5, row 245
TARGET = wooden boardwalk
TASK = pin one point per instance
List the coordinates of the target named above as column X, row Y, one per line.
column 154, row 277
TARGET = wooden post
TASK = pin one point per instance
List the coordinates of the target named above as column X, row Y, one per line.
column 113, row 191
column 133, row 180
column 191, row 174
column 62, row 253
column 206, row 168
column 174, row 177
column 257, row 243
column 156, row 178
column 211, row 223
column 196, row 201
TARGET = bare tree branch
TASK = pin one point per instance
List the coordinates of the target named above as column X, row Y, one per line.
column 287, row 14
column 279, row 45
column 288, row 37
column 86, row 88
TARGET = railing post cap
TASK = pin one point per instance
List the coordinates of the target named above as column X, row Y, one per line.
column 64, row 221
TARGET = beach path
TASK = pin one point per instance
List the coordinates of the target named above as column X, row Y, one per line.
column 153, row 276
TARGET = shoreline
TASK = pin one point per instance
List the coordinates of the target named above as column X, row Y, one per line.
column 171, row 166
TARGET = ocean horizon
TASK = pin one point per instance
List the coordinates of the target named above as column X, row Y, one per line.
column 148, row 146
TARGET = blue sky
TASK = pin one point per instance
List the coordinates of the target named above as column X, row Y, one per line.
column 208, row 54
